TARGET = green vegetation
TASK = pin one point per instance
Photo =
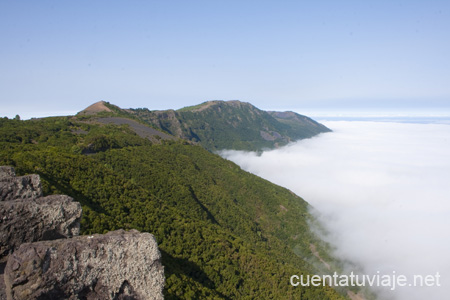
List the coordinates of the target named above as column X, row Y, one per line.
column 218, row 125
column 192, row 107
column 223, row 233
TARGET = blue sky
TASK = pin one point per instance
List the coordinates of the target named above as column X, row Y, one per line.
column 61, row 56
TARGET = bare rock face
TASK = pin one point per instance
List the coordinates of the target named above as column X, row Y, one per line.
column 6, row 172
column 30, row 220
column 23, row 187
column 116, row 265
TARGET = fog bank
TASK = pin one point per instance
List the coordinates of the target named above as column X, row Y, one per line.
column 381, row 189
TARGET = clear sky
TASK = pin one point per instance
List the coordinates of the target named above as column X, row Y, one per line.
column 61, row 56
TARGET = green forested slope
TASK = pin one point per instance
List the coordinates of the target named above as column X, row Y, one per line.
column 223, row 233
column 218, row 125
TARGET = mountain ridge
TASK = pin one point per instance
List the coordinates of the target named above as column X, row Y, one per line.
column 222, row 125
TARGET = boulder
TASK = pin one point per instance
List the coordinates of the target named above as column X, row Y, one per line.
column 44, row 218
column 23, row 187
column 116, row 265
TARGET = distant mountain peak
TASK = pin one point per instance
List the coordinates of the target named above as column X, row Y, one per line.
column 212, row 103
column 218, row 125
column 97, row 107
column 235, row 103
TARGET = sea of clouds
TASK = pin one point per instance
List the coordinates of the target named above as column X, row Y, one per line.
column 382, row 190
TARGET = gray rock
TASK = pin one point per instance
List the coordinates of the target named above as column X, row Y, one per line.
column 6, row 172
column 2, row 282
column 116, row 265
column 45, row 218
column 23, row 187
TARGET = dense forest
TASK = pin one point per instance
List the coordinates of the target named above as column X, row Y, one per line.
column 224, row 233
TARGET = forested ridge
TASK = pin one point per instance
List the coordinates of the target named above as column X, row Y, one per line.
column 218, row 125
column 224, row 233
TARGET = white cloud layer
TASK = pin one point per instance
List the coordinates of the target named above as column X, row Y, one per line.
column 382, row 190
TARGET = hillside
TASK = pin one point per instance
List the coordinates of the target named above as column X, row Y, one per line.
column 218, row 125
column 95, row 108
column 223, row 233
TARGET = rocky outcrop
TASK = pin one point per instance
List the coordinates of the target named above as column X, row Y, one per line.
column 6, row 172
column 23, row 187
column 46, row 259
column 117, row 265
column 44, row 218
